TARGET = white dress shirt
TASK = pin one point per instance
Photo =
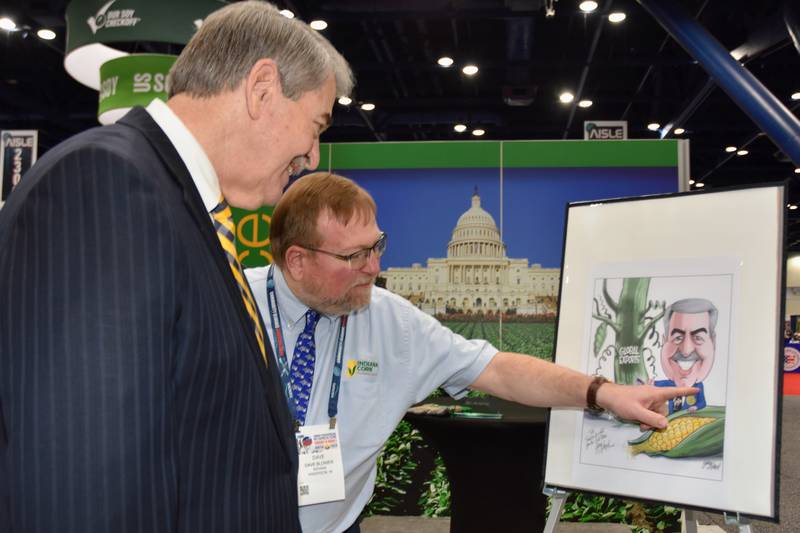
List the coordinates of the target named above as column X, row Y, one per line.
column 191, row 153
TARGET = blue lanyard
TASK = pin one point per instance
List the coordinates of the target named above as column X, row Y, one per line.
column 283, row 361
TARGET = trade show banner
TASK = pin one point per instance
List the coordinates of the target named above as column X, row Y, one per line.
column 132, row 80
column 475, row 227
column 100, row 31
column 791, row 357
column 18, row 154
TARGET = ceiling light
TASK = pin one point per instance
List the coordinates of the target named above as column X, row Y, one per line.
column 47, row 35
column 460, row 128
column 616, row 17
column 797, row 170
column 679, row 131
column 345, row 100
column 7, row 24
column 588, row 6
column 795, row 96
column 318, row 25
column 585, row 103
column 478, row 132
column 691, row 182
column 367, row 106
column 566, row 97
column 742, row 152
column 699, row 184
column 470, row 70
column 287, row 13
column 653, row 126
column 445, row 61
column 792, row 207
column 730, row 149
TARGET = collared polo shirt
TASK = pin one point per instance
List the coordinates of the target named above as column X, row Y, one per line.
column 395, row 356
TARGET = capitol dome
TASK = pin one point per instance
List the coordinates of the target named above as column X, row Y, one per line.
column 476, row 234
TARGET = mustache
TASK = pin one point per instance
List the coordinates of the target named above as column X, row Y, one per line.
column 680, row 356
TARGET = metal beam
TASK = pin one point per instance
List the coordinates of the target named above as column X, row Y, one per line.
column 756, row 101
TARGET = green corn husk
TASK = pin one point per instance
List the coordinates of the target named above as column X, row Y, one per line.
column 705, row 441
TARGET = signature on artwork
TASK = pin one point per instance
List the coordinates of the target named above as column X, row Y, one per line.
column 711, row 465
column 597, row 439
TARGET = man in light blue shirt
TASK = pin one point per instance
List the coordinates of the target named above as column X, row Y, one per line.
column 327, row 247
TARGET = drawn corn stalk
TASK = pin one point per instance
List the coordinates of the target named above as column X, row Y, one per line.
column 632, row 319
column 688, row 434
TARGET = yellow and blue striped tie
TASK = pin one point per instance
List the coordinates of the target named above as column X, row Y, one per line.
column 223, row 223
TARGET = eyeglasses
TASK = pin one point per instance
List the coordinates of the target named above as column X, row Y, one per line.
column 358, row 259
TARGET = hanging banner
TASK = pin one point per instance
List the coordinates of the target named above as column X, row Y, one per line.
column 17, row 156
column 96, row 28
column 132, row 80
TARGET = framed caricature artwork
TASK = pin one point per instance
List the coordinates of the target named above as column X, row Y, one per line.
column 687, row 290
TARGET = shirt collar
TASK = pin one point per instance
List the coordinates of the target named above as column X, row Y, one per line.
column 191, row 153
column 292, row 309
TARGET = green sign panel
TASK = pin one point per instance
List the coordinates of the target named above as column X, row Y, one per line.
column 252, row 236
column 133, row 80
column 104, row 21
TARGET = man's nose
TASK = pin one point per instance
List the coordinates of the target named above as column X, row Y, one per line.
column 373, row 265
column 687, row 346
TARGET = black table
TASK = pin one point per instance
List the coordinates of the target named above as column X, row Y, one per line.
column 494, row 466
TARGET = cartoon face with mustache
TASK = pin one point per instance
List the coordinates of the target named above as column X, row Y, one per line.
column 688, row 351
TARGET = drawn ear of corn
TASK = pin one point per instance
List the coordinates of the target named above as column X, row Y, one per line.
column 697, row 434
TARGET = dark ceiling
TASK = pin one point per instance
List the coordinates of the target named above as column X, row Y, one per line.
column 631, row 71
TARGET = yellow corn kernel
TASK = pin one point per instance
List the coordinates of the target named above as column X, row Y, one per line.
column 677, row 430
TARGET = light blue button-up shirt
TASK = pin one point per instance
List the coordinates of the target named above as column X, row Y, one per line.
column 395, row 356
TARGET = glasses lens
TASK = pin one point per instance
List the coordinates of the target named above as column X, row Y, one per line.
column 380, row 246
column 359, row 259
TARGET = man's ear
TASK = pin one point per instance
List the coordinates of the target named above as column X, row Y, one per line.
column 296, row 261
column 262, row 85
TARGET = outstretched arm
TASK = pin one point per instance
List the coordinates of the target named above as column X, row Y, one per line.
column 532, row 381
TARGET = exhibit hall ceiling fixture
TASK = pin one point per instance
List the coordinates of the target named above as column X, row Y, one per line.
column 527, row 54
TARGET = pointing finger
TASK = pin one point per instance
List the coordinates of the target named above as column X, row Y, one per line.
column 673, row 392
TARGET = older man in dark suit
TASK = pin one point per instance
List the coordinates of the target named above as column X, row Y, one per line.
column 136, row 391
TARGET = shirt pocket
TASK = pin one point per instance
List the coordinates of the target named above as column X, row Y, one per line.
column 362, row 410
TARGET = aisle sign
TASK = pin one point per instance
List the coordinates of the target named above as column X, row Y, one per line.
column 605, row 130
column 18, row 154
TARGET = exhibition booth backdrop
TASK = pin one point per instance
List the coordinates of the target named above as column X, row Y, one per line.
column 475, row 233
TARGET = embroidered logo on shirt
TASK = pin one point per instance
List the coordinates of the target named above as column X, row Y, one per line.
column 367, row 368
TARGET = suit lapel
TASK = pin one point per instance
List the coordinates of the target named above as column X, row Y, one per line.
column 140, row 119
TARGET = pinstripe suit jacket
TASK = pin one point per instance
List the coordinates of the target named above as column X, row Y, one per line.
column 133, row 396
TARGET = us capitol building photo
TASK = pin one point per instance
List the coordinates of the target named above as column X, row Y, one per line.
column 476, row 277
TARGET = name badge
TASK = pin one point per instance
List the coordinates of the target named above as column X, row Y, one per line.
column 320, row 477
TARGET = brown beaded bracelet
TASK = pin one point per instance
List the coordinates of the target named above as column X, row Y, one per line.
column 591, row 395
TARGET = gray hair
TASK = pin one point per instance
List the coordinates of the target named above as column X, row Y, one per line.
column 693, row 305
column 232, row 39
